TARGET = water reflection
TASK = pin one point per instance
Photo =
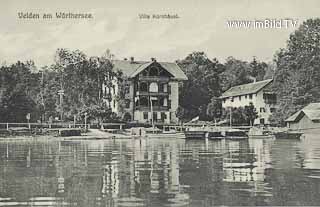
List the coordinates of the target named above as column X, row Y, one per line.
column 160, row 172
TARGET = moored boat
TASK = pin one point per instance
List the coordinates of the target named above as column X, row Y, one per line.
column 235, row 134
column 196, row 134
column 288, row 135
column 214, row 135
column 259, row 132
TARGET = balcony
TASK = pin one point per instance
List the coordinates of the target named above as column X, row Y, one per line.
column 154, row 108
column 146, row 93
column 154, row 78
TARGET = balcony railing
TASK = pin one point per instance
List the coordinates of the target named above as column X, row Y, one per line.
column 154, row 78
column 146, row 93
column 154, row 108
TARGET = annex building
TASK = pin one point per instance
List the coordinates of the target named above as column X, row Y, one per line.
column 258, row 93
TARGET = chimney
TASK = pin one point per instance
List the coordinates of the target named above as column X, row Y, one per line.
column 153, row 59
column 131, row 59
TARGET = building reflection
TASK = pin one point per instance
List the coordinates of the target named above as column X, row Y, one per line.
column 149, row 172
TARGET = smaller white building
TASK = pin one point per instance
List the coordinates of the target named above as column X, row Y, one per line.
column 257, row 93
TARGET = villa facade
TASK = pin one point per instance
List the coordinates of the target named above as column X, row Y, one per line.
column 257, row 93
column 151, row 91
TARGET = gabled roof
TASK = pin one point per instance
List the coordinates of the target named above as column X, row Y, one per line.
column 245, row 89
column 133, row 68
column 312, row 111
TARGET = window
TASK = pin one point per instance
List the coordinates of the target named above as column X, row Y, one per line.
column 154, row 71
column 145, row 115
column 231, row 99
column 127, row 89
column 163, row 116
column 239, row 98
column 143, row 86
column 144, row 101
column 153, row 87
column 250, row 96
column 169, row 89
column 155, row 116
column 246, row 96
column 127, row 103
column 161, row 87
column 272, row 110
column 165, row 87
column 169, row 104
column 161, row 101
column 114, row 104
column 262, row 110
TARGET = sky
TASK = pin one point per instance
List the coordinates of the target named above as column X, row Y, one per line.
column 201, row 26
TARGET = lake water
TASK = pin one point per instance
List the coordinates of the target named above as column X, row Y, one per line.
column 160, row 172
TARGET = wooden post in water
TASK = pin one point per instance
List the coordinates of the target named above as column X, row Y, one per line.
column 7, row 150
column 85, row 122
column 29, row 157
column 8, row 126
column 230, row 117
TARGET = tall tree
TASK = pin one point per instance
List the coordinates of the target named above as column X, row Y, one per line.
column 297, row 77
column 19, row 87
column 203, row 83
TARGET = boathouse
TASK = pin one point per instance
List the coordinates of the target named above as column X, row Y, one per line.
column 306, row 118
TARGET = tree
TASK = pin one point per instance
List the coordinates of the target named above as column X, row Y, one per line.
column 180, row 114
column 236, row 72
column 82, row 79
column 297, row 75
column 250, row 113
column 236, row 114
column 203, row 83
column 214, row 109
column 19, row 87
column 258, row 69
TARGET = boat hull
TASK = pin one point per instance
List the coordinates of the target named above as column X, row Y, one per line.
column 214, row 135
column 195, row 134
column 288, row 135
column 236, row 135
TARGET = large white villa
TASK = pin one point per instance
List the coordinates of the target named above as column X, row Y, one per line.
column 151, row 90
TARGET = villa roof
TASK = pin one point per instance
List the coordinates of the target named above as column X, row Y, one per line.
column 133, row 68
column 245, row 89
column 312, row 111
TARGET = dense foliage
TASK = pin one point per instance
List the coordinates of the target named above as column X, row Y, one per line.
column 80, row 77
column 19, row 89
column 207, row 79
column 296, row 73
column 297, row 78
